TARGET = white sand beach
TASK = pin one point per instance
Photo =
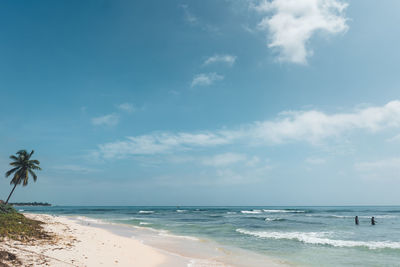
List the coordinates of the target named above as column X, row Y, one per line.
column 83, row 245
column 83, row 242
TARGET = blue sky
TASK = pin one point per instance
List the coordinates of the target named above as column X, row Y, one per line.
column 202, row 102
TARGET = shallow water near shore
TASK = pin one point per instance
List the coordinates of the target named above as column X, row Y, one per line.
column 300, row 236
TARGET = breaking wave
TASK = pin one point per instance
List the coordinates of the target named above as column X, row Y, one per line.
column 146, row 211
column 251, row 211
column 320, row 238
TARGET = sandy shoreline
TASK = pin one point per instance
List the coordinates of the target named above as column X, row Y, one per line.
column 80, row 243
column 84, row 245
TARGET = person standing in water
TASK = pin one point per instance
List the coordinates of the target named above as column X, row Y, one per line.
column 356, row 220
column 373, row 220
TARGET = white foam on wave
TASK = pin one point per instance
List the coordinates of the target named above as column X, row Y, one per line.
column 231, row 212
column 272, row 219
column 167, row 234
column 383, row 217
column 351, row 216
column 127, row 218
column 251, row 211
column 181, row 210
column 146, row 211
column 144, row 223
column 284, row 211
column 319, row 238
column 271, row 211
column 90, row 220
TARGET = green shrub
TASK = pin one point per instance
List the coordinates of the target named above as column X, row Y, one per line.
column 16, row 226
column 5, row 209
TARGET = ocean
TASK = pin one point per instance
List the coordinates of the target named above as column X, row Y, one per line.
column 297, row 236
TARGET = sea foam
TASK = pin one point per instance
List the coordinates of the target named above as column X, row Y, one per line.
column 181, row 210
column 320, row 238
column 284, row 211
column 251, row 211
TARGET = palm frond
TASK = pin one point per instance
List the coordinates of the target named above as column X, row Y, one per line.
column 17, row 177
column 14, row 157
column 26, row 177
column 33, row 174
column 22, row 152
column 11, row 171
column 34, row 167
column 34, row 161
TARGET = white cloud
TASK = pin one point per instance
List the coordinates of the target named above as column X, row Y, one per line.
column 126, row 107
column 291, row 24
column 107, row 120
column 314, row 126
column 219, row 160
column 381, row 169
column 193, row 20
column 73, row 168
column 311, row 126
column 188, row 16
column 224, row 159
column 228, row 59
column 206, row 79
column 160, row 143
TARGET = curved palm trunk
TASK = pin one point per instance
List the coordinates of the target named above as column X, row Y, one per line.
column 12, row 191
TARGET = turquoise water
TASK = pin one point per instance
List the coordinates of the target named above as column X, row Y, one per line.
column 304, row 236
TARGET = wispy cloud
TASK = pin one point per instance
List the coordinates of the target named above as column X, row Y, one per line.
column 224, row 159
column 291, row 24
column 126, row 107
column 107, row 120
column 188, row 16
column 218, row 160
column 206, row 79
column 73, row 168
column 160, row 143
column 394, row 139
column 227, row 59
column 310, row 126
column 314, row 126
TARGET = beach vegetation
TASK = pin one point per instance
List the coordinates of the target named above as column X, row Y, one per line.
column 16, row 226
column 4, row 209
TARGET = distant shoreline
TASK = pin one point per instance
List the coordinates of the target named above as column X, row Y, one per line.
column 30, row 204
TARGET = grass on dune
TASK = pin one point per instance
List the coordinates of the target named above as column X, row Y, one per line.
column 16, row 226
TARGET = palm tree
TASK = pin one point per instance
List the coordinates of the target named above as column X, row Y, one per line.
column 23, row 166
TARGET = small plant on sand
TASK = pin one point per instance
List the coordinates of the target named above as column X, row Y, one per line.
column 23, row 167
